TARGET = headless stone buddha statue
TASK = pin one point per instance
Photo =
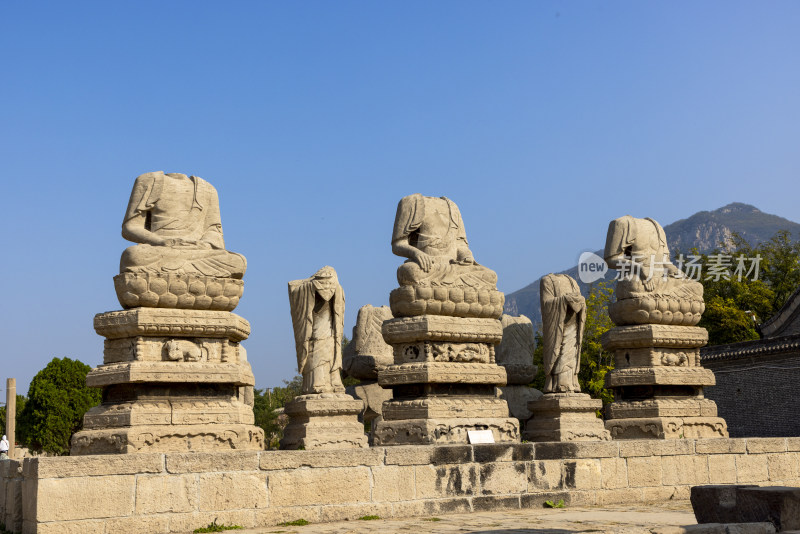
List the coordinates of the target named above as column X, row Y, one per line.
column 643, row 242
column 175, row 219
column 317, row 306
column 563, row 318
column 430, row 233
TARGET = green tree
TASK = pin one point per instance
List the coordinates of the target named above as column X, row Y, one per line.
column 57, row 399
column 738, row 301
column 268, row 409
column 21, row 399
column 595, row 362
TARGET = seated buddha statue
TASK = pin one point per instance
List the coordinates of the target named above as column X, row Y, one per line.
column 652, row 289
column 430, row 233
column 175, row 220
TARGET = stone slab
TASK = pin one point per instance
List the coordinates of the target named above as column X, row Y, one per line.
column 171, row 323
column 442, row 373
column 167, row 438
column 643, row 376
column 717, row 503
column 445, row 407
column 667, row 428
column 442, row 328
column 662, row 407
column 443, row 431
column 170, row 372
column 168, row 412
column 654, row 335
column 324, row 422
column 779, row 505
column 559, row 417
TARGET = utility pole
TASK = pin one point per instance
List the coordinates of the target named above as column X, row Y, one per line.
column 11, row 415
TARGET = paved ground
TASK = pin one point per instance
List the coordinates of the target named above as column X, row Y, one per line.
column 611, row 519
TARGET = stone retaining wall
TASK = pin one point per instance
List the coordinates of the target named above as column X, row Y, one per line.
column 178, row 492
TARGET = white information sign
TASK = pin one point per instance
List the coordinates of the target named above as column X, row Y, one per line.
column 480, row 436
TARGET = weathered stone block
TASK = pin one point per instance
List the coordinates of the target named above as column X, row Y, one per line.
column 231, row 491
column 503, row 452
column 722, row 468
column 302, row 487
column 644, row 471
column 655, row 447
column 582, row 474
column 201, row 462
column 158, row 494
column 393, row 483
column 684, row 470
column 779, row 505
column 64, row 499
column 444, row 431
column 276, row 460
column 545, row 475
column 721, row 446
column 751, row 468
column 172, row 322
column 565, row 417
column 434, row 482
column 782, row 467
column 503, row 477
column 69, row 466
column 757, row 445
column 614, row 473
column 422, row 455
column 580, row 449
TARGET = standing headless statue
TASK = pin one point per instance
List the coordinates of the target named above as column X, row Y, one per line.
column 323, row 416
column 563, row 413
column 563, row 318
column 317, row 305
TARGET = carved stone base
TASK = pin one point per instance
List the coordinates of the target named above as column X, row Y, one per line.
column 182, row 291
column 443, row 431
column 565, row 417
column 662, row 407
column 173, row 380
column 324, row 421
column 446, row 301
column 167, row 438
column 658, row 384
column 667, row 428
column 445, row 408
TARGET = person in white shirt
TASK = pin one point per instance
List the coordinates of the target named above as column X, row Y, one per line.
column 4, row 445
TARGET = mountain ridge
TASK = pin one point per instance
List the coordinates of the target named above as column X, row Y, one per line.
column 705, row 230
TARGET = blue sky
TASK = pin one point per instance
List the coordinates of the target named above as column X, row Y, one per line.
column 542, row 120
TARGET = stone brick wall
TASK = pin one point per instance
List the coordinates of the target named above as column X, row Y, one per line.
column 11, row 494
column 757, row 396
column 178, row 492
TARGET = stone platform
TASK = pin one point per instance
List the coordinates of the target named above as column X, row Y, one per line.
column 178, row 492
column 173, row 380
column 443, row 382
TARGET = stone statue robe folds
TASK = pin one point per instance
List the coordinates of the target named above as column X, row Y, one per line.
column 318, row 328
column 563, row 319
column 434, row 227
column 176, row 220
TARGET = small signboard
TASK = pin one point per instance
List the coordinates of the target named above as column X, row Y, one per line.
column 480, row 436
